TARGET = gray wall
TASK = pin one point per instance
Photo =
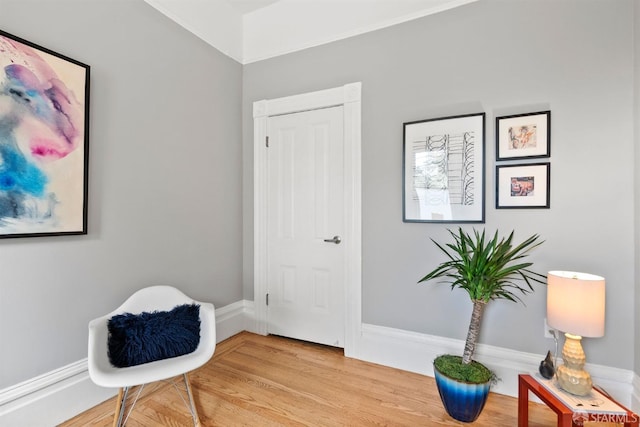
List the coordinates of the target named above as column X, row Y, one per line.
column 574, row 57
column 165, row 173
column 166, row 165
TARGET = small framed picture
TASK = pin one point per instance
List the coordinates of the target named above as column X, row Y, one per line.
column 523, row 136
column 523, row 186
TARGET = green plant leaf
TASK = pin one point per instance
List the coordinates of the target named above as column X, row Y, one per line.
column 487, row 269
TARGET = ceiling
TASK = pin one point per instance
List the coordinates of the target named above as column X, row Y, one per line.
column 255, row 30
column 247, row 6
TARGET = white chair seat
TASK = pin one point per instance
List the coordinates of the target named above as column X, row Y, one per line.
column 154, row 298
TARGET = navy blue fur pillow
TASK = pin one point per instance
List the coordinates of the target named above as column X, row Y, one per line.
column 135, row 339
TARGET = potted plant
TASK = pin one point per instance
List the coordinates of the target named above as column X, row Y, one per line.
column 487, row 269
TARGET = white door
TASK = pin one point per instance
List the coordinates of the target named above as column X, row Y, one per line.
column 306, row 264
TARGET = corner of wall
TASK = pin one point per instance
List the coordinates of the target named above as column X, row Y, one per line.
column 636, row 133
column 635, row 401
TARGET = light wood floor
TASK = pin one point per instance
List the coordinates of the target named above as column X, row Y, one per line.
column 272, row 381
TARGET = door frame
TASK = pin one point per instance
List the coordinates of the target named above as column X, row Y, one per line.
column 349, row 97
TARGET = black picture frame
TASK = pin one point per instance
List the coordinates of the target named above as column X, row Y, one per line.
column 44, row 150
column 443, row 169
column 523, row 136
column 523, row 186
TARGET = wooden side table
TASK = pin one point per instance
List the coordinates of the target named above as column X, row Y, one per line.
column 565, row 415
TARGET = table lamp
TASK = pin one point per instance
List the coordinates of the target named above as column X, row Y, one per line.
column 575, row 306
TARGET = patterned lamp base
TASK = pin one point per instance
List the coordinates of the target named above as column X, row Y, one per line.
column 571, row 376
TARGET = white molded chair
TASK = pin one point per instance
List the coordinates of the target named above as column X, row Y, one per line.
column 154, row 298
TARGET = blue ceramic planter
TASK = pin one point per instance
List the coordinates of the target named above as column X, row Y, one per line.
column 462, row 401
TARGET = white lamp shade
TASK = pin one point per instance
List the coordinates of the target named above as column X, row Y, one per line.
column 575, row 303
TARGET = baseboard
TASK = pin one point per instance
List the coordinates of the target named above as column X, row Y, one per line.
column 414, row 352
column 250, row 317
column 233, row 319
column 51, row 398
column 59, row 395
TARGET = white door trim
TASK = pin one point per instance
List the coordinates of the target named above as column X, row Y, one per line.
column 349, row 96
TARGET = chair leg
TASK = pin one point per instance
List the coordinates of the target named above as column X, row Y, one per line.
column 194, row 411
column 120, row 406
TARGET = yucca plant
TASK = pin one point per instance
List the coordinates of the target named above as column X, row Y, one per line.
column 487, row 269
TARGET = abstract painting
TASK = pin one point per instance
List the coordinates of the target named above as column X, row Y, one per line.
column 523, row 136
column 443, row 170
column 44, row 137
column 523, row 186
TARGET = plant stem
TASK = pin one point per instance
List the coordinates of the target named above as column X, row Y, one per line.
column 474, row 331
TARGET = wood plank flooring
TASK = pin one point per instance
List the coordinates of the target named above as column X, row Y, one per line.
column 272, row 381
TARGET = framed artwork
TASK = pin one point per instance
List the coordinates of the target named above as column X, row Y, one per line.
column 44, row 141
column 523, row 136
column 523, row 186
column 443, row 169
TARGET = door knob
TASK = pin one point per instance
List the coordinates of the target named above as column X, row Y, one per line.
column 336, row 240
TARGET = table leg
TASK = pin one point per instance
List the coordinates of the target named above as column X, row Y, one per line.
column 565, row 420
column 632, row 420
column 523, row 403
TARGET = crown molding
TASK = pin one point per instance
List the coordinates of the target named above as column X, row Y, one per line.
column 288, row 26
